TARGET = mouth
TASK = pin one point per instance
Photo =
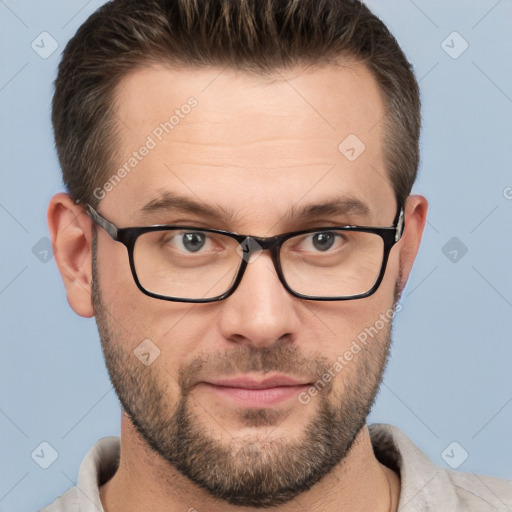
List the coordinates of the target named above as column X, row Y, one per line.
column 254, row 392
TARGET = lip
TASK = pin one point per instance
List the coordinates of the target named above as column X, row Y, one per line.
column 253, row 392
column 254, row 383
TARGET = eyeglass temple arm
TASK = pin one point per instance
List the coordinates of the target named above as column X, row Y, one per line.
column 399, row 225
column 102, row 222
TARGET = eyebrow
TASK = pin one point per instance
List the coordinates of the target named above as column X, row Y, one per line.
column 339, row 205
column 169, row 202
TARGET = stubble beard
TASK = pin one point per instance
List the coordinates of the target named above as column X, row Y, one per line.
column 256, row 470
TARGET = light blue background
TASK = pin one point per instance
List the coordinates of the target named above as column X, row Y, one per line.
column 449, row 377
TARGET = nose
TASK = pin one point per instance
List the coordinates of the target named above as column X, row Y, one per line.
column 260, row 312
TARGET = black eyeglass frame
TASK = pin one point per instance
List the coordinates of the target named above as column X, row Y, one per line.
column 128, row 236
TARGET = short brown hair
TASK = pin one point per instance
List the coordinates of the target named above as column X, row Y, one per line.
column 259, row 36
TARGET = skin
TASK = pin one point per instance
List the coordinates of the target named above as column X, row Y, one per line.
column 258, row 147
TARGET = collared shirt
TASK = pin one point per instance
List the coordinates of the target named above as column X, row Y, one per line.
column 425, row 486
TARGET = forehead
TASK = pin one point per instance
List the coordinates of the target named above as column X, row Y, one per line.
column 256, row 145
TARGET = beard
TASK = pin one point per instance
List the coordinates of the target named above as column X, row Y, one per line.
column 255, row 470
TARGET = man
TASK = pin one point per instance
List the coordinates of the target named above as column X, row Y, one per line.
column 238, row 215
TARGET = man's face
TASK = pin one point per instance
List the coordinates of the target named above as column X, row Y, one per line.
column 262, row 150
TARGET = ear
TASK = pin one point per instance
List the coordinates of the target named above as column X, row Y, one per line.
column 415, row 217
column 71, row 234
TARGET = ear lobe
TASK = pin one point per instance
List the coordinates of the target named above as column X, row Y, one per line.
column 416, row 208
column 71, row 234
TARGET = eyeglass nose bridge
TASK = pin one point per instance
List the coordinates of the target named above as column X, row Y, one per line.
column 252, row 245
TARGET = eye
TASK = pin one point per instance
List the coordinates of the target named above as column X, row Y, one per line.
column 187, row 242
column 193, row 242
column 323, row 241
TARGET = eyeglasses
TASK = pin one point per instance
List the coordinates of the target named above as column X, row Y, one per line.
column 188, row 264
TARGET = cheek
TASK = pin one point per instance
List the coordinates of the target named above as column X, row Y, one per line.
column 113, row 268
column 334, row 326
column 129, row 314
column 360, row 340
column 186, row 331
column 392, row 273
column 175, row 328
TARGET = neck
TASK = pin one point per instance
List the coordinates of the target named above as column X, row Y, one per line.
column 145, row 482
